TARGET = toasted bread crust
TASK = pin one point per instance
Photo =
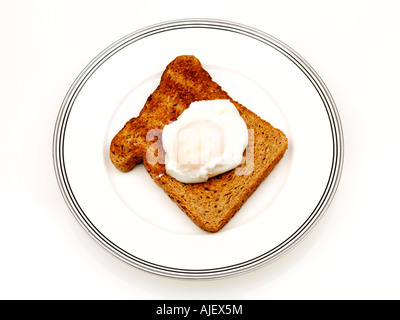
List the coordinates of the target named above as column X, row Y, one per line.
column 183, row 82
column 211, row 204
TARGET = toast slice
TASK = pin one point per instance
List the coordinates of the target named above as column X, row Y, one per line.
column 211, row 204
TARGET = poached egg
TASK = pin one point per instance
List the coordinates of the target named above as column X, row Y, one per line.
column 207, row 139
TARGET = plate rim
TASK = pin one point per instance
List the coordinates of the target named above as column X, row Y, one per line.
column 220, row 272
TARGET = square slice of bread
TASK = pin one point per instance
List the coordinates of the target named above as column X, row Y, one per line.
column 210, row 205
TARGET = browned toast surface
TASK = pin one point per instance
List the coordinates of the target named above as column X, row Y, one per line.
column 213, row 203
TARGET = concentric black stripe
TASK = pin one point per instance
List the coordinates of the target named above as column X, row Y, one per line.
column 231, row 270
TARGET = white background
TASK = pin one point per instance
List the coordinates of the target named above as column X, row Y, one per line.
column 353, row 252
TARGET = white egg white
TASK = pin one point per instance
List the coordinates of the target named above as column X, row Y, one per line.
column 207, row 139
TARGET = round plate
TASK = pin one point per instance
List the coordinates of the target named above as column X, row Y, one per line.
column 131, row 217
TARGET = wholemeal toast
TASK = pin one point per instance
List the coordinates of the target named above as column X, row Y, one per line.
column 211, row 204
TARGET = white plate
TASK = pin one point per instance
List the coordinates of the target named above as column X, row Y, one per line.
column 130, row 216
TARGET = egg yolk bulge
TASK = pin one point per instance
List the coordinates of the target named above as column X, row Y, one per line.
column 207, row 139
column 198, row 143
